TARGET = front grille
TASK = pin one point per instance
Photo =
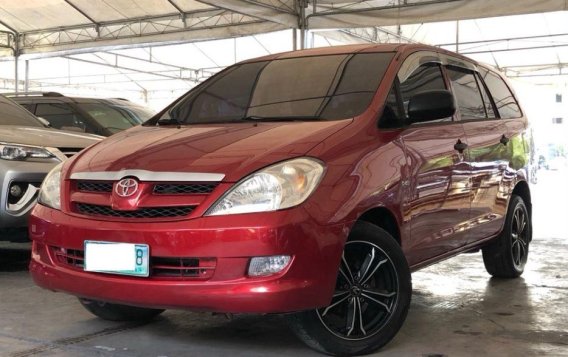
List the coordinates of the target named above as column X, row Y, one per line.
column 184, row 188
column 70, row 151
column 158, row 189
column 149, row 212
column 160, row 267
column 94, row 186
column 195, row 268
column 72, row 257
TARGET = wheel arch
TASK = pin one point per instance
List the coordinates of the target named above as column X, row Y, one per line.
column 522, row 190
column 384, row 218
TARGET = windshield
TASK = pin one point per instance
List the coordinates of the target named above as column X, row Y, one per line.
column 315, row 88
column 117, row 117
column 14, row 114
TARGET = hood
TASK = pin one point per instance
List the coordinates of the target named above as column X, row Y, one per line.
column 234, row 150
column 47, row 137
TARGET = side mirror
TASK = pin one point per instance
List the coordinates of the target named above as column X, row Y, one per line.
column 44, row 122
column 431, row 105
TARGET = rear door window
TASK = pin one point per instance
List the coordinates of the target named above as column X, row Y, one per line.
column 502, row 96
column 62, row 116
column 467, row 93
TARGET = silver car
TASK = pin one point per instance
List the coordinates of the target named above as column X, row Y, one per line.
column 28, row 151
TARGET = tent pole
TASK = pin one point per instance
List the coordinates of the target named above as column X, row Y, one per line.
column 294, row 39
column 457, row 36
column 16, row 79
column 303, row 27
column 27, row 76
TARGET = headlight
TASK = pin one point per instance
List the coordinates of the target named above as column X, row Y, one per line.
column 284, row 185
column 22, row 152
column 50, row 192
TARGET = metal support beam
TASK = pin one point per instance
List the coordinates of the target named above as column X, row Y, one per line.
column 180, row 10
column 294, row 40
column 364, row 14
column 514, row 49
column 27, row 76
column 303, row 25
column 16, row 79
column 195, row 76
column 200, row 25
column 508, row 40
column 259, row 9
column 457, row 36
column 8, row 27
column 83, row 13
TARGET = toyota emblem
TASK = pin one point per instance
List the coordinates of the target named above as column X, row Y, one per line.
column 126, row 187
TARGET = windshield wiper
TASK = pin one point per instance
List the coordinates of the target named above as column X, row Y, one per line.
column 290, row 118
column 169, row 121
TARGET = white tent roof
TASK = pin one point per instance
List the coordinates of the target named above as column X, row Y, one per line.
column 33, row 26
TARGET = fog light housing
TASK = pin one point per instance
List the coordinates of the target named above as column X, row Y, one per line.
column 263, row 266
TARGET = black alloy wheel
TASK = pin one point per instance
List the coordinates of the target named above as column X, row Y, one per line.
column 370, row 301
column 366, row 293
column 507, row 255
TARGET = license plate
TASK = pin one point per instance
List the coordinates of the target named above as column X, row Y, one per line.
column 117, row 258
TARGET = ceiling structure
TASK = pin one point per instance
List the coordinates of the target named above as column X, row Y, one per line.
column 36, row 26
column 160, row 48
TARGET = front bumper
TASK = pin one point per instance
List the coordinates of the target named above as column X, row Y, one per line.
column 308, row 282
column 29, row 175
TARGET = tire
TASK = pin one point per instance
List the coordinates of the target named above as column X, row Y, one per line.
column 115, row 312
column 506, row 256
column 371, row 298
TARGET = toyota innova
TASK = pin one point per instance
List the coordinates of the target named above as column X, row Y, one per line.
column 309, row 184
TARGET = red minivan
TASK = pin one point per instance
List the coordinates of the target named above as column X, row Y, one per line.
column 308, row 183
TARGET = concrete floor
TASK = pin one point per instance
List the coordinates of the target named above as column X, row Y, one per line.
column 457, row 310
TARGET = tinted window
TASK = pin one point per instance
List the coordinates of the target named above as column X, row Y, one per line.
column 316, row 87
column 136, row 112
column 13, row 114
column 504, row 100
column 29, row 107
column 424, row 78
column 113, row 118
column 467, row 94
column 486, row 99
column 62, row 116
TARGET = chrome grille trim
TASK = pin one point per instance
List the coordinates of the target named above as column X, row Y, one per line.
column 144, row 175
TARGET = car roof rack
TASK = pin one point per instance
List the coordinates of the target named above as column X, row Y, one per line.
column 33, row 94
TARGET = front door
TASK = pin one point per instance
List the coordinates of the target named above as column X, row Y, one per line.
column 437, row 194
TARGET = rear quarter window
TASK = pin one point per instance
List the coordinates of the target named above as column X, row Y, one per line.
column 504, row 100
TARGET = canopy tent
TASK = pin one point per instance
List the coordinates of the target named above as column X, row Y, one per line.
column 35, row 26
column 154, row 50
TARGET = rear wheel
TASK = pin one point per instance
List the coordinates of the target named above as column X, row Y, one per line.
column 507, row 255
column 371, row 297
column 116, row 312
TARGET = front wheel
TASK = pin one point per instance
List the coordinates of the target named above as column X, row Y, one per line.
column 371, row 297
column 507, row 255
column 116, row 312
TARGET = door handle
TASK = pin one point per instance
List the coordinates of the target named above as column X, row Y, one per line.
column 460, row 146
column 504, row 140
